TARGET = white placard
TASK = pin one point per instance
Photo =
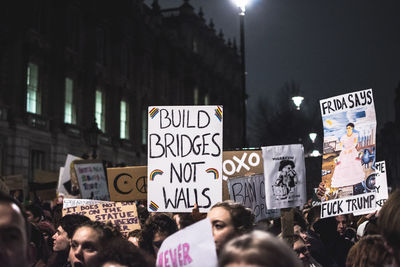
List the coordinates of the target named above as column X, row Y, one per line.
column 73, row 202
column 250, row 191
column 184, row 158
column 193, row 246
column 92, row 180
column 285, row 176
column 64, row 183
column 353, row 204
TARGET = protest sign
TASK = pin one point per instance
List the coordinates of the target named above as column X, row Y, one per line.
column 44, row 184
column 92, row 179
column 250, row 191
column 17, row 185
column 73, row 202
column 285, row 176
column 3, row 187
column 238, row 164
column 123, row 214
column 184, row 158
column 349, row 143
column 376, row 182
column 192, row 246
column 126, row 184
column 352, row 204
column 64, row 183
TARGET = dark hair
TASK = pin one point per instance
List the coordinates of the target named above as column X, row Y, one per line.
column 107, row 232
column 72, row 221
column 242, row 217
column 42, row 250
column 284, row 163
column 124, row 253
column 258, row 248
column 158, row 223
column 9, row 200
column 369, row 251
column 135, row 233
column 350, row 124
column 35, row 210
column 389, row 220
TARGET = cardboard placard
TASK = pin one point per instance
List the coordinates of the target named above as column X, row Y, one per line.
column 349, row 145
column 128, row 183
column 192, row 246
column 250, row 191
column 91, row 178
column 184, row 158
column 238, row 164
column 123, row 214
column 44, row 176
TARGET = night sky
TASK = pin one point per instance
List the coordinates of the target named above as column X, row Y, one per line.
column 327, row 47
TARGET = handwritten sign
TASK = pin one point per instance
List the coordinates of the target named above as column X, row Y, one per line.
column 126, row 184
column 250, row 191
column 285, row 176
column 184, row 157
column 91, row 179
column 64, row 183
column 122, row 214
column 353, row 204
column 238, row 164
column 349, row 148
column 73, row 202
column 193, row 246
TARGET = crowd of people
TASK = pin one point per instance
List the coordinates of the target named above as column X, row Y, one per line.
column 37, row 235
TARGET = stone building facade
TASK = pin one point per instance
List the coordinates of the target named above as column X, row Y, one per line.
column 66, row 64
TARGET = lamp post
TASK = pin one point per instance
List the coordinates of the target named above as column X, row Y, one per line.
column 297, row 100
column 93, row 138
column 241, row 4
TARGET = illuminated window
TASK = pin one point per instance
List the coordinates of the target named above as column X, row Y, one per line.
column 100, row 111
column 69, row 109
column 33, row 96
column 124, row 120
column 206, row 100
column 144, row 127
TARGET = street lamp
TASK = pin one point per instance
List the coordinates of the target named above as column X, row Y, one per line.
column 241, row 4
column 312, row 136
column 297, row 100
column 93, row 138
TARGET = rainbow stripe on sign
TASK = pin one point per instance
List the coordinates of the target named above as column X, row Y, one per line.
column 214, row 171
column 218, row 113
column 154, row 173
column 153, row 112
column 153, row 206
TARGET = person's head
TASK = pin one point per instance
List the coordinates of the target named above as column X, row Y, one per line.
column 301, row 249
column 369, row 251
column 122, row 253
column 257, row 249
column 65, row 230
column 33, row 213
column 342, row 222
column 229, row 219
column 14, row 234
column 286, row 166
column 183, row 219
column 87, row 240
column 156, row 229
column 349, row 128
column 389, row 224
column 134, row 237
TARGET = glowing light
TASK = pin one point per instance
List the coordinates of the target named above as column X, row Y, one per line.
column 315, row 153
column 242, row 5
column 312, row 136
column 297, row 101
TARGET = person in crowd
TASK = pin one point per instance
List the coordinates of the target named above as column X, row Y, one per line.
column 369, row 251
column 257, row 248
column 15, row 249
column 62, row 238
column 47, row 230
column 389, row 224
column 88, row 240
column 229, row 219
column 341, row 224
column 183, row 219
column 156, row 229
column 34, row 213
column 301, row 249
column 134, row 237
column 122, row 253
column 42, row 251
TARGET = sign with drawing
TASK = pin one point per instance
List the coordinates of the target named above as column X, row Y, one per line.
column 128, row 183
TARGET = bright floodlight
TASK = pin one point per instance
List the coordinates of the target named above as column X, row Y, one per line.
column 315, row 153
column 297, row 101
column 242, row 5
column 312, row 136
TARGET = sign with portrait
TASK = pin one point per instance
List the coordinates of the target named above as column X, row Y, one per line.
column 285, row 176
column 184, row 157
column 349, row 149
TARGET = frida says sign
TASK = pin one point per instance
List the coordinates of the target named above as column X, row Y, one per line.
column 184, row 157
